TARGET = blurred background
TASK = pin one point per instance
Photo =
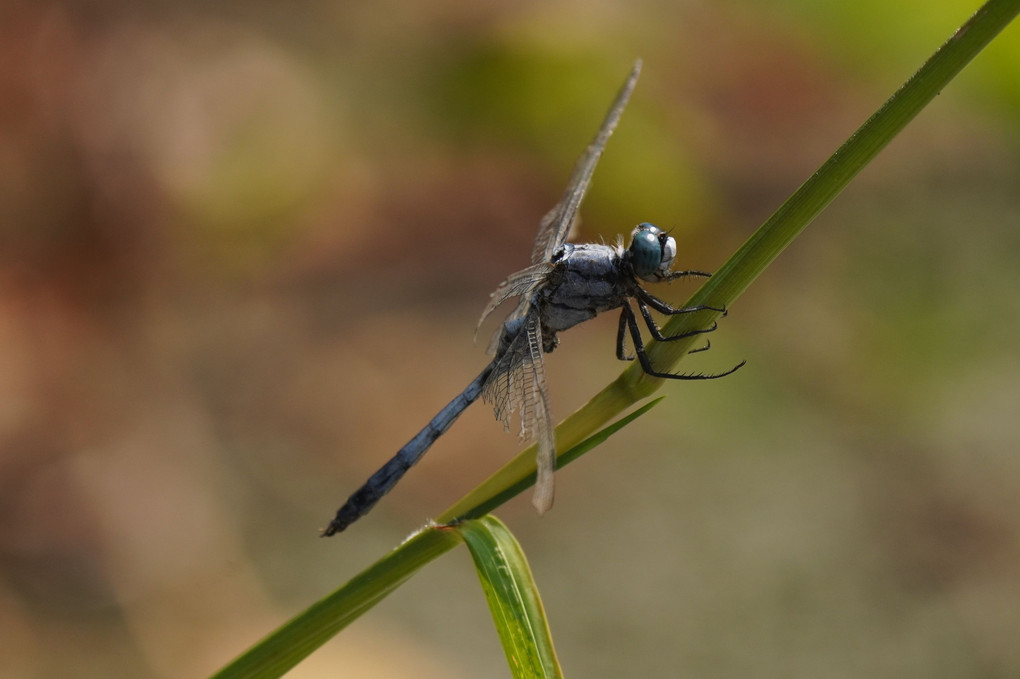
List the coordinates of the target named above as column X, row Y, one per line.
column 243, row 248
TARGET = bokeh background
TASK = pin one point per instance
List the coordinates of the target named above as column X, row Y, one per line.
column 242, row 250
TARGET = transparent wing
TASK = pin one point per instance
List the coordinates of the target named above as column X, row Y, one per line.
column 522, row 284
column 556, row 224
column 517, row 384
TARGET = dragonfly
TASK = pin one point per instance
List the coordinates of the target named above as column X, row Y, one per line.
column 566, row 284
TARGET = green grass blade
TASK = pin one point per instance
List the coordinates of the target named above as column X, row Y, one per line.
column 294, row 641
column 513, row 598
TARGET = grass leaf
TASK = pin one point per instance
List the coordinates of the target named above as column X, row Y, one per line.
column 513, row 598
column 295, row 640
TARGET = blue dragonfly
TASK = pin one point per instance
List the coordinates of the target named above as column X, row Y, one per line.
column 566, row 284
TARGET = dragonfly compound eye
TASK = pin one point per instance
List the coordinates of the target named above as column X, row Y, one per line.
column 648, row 250
column 668, row 244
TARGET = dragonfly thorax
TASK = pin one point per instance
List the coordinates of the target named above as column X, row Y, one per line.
column 588, row 278
column 651, row 252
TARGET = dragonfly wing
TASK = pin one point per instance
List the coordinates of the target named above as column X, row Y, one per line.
column 502, row 389
column 518, row 384
column 536, row 419
column 556, row 224
column 519, row 312
column 520, row 284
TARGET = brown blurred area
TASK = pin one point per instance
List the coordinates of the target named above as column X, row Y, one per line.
column 242, row 251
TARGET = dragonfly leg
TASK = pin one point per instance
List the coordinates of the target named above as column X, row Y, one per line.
column 708, row 345
column 657, row 333
column 621, row 339
column 639, row 348
column 621, row 335
column 664, row 308
column 673, row 275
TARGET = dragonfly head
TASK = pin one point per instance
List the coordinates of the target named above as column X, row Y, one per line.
column 651, row 251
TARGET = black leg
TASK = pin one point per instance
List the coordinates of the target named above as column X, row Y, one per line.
column 621, row 339
column 646, row 364
column 664, row 308
column 657, row 333
column 673, row 275
column 708, row 345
